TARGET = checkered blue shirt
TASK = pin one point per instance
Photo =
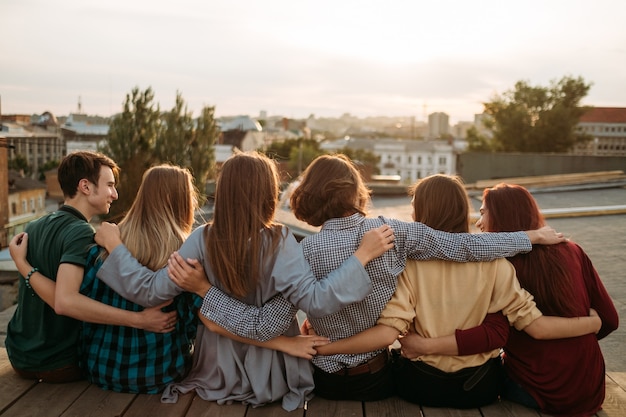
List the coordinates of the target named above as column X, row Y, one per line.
column 325, row 251
column 125, row 359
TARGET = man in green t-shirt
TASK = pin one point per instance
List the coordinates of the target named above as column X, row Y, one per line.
column 42, row 336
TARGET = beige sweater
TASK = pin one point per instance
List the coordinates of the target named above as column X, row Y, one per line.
column 435, row 298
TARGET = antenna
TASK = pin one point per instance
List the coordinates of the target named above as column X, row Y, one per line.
column 80, row 106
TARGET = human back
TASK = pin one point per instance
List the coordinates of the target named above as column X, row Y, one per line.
column 133, row 360
column 332, row 194
column 42, row 344
column 563, row 376
column 436, row 298
column 242, row 249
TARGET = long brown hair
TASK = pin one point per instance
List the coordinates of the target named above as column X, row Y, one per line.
column 246, row 196
column 441, row 202
column 161, row 216
column 541, row 272
column 330, row 187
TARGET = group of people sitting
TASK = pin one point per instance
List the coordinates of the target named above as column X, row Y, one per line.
column 424, row 310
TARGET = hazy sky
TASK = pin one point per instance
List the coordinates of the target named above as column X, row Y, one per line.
column 297, row 57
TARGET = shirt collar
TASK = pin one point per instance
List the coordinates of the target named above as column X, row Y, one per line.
column 339, row 223
column 72, row 210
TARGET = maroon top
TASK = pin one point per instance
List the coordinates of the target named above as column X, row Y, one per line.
column 565, row 376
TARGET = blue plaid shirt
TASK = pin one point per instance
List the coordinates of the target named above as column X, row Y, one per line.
column 125, row 359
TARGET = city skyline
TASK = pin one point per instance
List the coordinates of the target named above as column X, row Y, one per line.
column 324, row 58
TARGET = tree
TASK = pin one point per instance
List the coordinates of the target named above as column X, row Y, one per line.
column 47, row 167
column 363, row 156
column 174, row 138
column 131, row 139
column 535, row 119
column 281, row 150
column 301, row 155
column 477, row 142
column 20, row 163
column 202, row 148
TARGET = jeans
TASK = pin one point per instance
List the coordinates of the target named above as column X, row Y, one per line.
column 514, row 392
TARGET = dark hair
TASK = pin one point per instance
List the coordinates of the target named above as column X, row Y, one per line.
column 331, row 187
column 441, row 202
column 541, row 272
column 246, row 197
column 82, row 165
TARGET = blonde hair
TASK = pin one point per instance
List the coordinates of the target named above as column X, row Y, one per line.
column 246, row 197
column 162, row 215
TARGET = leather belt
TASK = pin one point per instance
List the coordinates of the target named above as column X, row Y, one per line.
column 377, row 363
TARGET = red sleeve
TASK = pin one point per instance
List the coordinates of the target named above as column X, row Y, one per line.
column 599, row 298
column 491, row 334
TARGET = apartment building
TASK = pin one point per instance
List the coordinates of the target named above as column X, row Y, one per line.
column 409, row 160
column 607, row 127
column 438, row 125
column 39, row 141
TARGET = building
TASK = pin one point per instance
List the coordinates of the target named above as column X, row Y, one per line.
column 607, row 127
column 39, row 142
column 241, row 132
column 438, row 125
column 4, row 191
column 84, row 133
column 409, row 160
column 26, row 202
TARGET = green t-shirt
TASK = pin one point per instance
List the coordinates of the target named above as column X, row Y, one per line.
column 38, row 339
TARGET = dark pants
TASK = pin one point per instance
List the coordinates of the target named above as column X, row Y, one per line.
column 514, row 392
column 423, row 384
column 69, row 373
column 365, row 387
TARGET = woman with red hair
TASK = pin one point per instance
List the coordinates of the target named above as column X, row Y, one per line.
column 562, row 376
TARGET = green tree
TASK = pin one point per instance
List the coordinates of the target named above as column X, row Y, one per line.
column 20, row 163
column 363, row 156
column 174, row 138
column 281, row 150
column 131, row 139
column 535, row 119
column 477, row 142
column 301, row 155
column 47, row 167
column 202, row 148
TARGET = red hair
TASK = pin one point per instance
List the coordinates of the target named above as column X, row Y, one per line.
column 541, row 272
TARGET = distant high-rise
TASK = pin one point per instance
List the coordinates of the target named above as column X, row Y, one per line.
column 438, row 125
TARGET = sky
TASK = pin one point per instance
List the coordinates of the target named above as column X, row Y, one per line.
column 298, row 57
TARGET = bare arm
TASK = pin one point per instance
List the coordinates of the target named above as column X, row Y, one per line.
column 70, row 302
column 543, row 328
column 545, row 236
column 374, row 338
column 299, row 346
column 551, row 327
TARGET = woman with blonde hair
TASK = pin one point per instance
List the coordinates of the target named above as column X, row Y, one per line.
column 131, row 360
column 248, row 255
